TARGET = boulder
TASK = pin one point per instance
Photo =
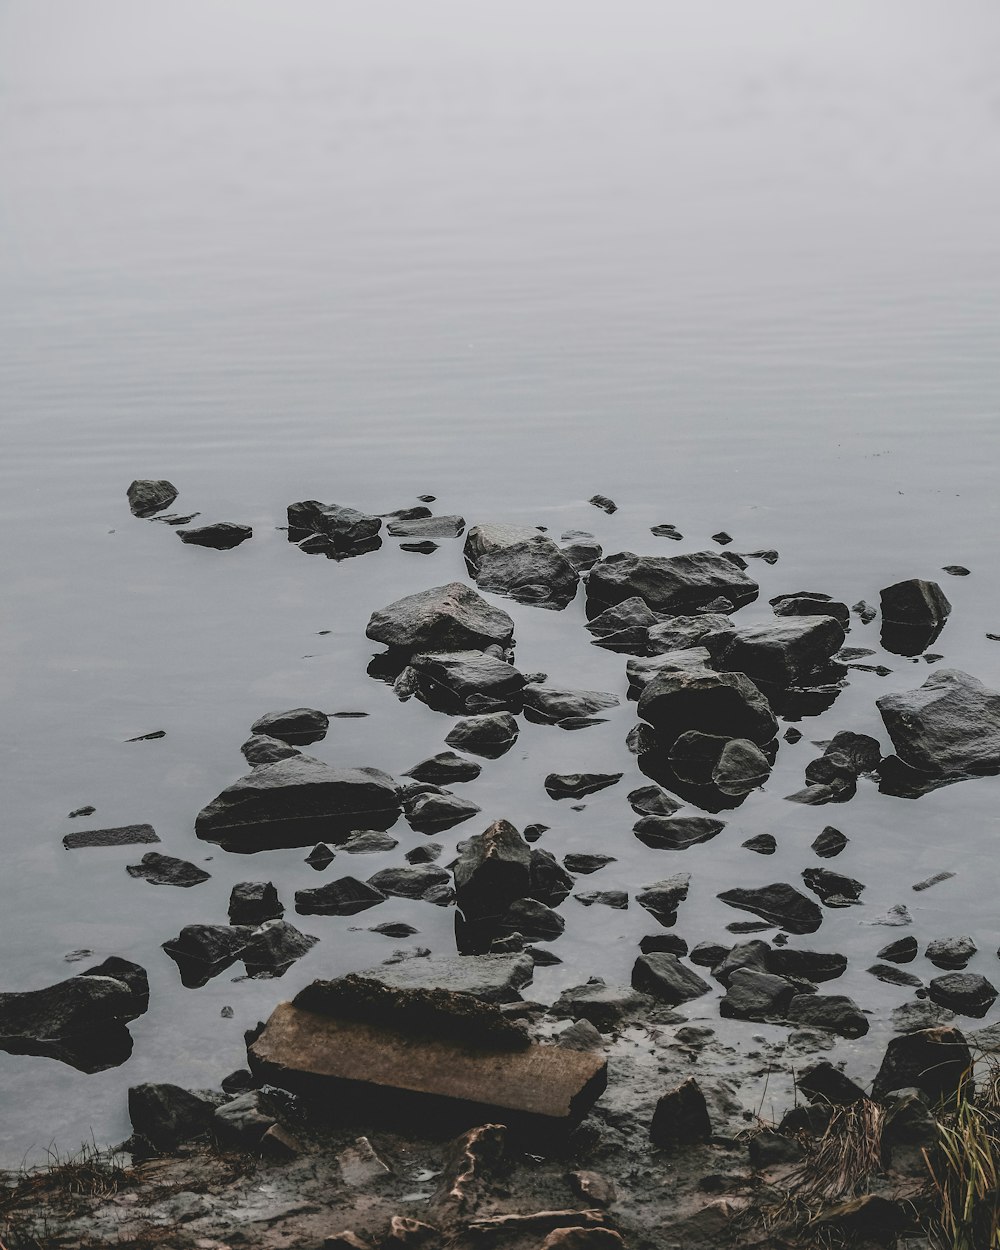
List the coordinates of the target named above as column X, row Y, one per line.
column 835, row 1012
column 602, row 1005
column 949, row 726
column 967, row 993
column 664, row 977
column 652, row 801
column 779, row 903
column 676, row 833
column 935, row 1060
column 444, row 768
column 641, row 671
column 678, row 633
column 952, row 952
column 242, row 1122
column 488, row 978
column 166, row 1115
column 618, row 899
column 549, row 705
column 807, row 965
column 583, row 863
column 293, row 801
column 681, row 1117
column 343, row 527
column 147, row 496
column 521, row 563
column 464, row 681
column 725, row 704
column 425, row 881
column 903, row 951
column 672, row 584
column 165, row 870
column 262, row 749
column 550, row 883
column 533, row 920
column 222, row 535
column 768, row 1149
column 829, row 843
column 491, row 734
column 783, row 651
column 832, row 885
column 761, row 844
column 298, row 727
column 493, row 869
column 345, row 897
column 445, row 618
column 822, row 1083
column 370, row 842
column 201, row 951
column 629, row 614
column 740, row 768
column 914, row 602
column 752, row 995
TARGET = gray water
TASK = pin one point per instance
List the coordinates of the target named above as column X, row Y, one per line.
column 735, row 266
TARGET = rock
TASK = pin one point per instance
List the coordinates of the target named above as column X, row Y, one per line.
column 680, row 633
column 583, row 1239
column 951, row 952
column 298, row 727
column 469, row 1168
column 667, row 979
column 583, row 553
column 404, row 1230
column 602, row 1005
column 370, row 842
column 726, row 704
column 949, row 726
column 223, row 535
column 642, row 671
column 664, row 897
column 676, row 833
column 681, row 1117
column 394, row 929
column 593, row 1187
column 914, row 602
column 897, row 916
column 360, row 1165
column 967, row 993
column 237, row 1082
column 576, row 785
column 805, row 964
column 344, row 528
column 604, row 503
column 166, row 1115
column 280, row 1145
column 780, row 904
column 123, row 835
column 550, row 883
column 916, row 1016
column 262, row 749
column 432, row 813
column 580, row 1035
column 903, row 951
column 147, row 496
column 415, row 881
column 784, row 651
column 768, row 1149
column 201, row 951
column 829, row 843
column 533, row 920
column 521, row 563
column 935, row 1060
column 832, row 885
column 824, row 1084
column 549, row 705
column 868, row 1216
column 253, row 902
column 811, row 603
column 934, row 879
column 652, row 801
column 741, row 767
column 428, row 853
column 444, row 768
column 165, row 870
column 908, row 1130
column 835, row 1012
column 460, row 681
column 753, row 995
column 629, row 614
column 427, row 527
column 752, row 956
column 761, row 844
column 445, row 618
column 274, row 947
column 80, row 1021
column 708, row 954
column 489, row 735
column 289, row 802
column 344, row 897
column 488, row 978
column 672, row 584
column 243, row 1122
column 320, row 857
column 586, row 864
column 492, row 871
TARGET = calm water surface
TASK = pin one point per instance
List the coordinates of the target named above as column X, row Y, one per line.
column 735, row 269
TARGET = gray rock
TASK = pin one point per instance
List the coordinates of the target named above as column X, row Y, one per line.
column 951, row 952
column 344, row 897
column 741, row 767
column 914, row 602
column 458, row 681
column 919, row 1015
column 532, row 919
column 892, row 975
column 370, row 842
column 274, row 947
column 444, row 768
column 780, row 904
column 243, row 1122
column 810, row 965
column 681, row 1117
column 642, row 671
column 344, row 527
column 604, row 1006
column 822, row 1083
column 299, row 726
column 829, row 843
column 708, row 954
column 580, row 1035
column 166, row 1115
column 429, row 813
column 835, row 1012
column 967, row 993
column 672, row 584
column 631, row 613
column 521, row 563
column 811, row 603
column 493, row 869
column 576, row 785
column 147, row 496
column 203, row 950
column 678, row 633
column 289, row 802
column 652, row 801
column 413, row 881
column 744, row 956
column 262, row 749
column 122, row 835
column 768, row 1149
column 586, row 864
column 949, row 726
column 727, row 704
column 664, row 897
column 934, row 1060
column 761, row 844
column 165, row 870
column 549, row 705
column 445, row 618
column 618, row 899
column 222, row 535
column 490, row 735
column 756, row 996
column 427, row 527
column 550, row 883
column 490, row 978
column 253, row 902
column 903, row 951
column 426, row 853
column 664, row 977
column 84, row 1007
column 676, row 833
column 783, row 651
column 830, row 885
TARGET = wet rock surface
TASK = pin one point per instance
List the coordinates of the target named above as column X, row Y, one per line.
column 222, row 535
column 147, row 496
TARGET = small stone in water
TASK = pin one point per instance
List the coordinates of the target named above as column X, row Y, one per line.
column 533, row 832
column 956, row 570
column 722, row 538
column 157, row 733
column 896, row 916
column 865, row 611
column 427, row 498
column 792, row 735
column 762, row 844
column 423, row 548
column 83, row 811
column 604, row 503
column 933, row 880
column 74, row 957
column 227, row 1013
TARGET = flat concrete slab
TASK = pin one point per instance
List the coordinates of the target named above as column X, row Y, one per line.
column 342, row 1062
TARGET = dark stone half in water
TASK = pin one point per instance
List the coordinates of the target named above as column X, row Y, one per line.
column 780, row 903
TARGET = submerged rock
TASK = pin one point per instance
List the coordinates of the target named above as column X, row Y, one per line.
column 576, row 785
column 423, row 881
column 671, row 583
column 662, row 898
column 299, row 727
column 223, row 535
column 147, row 496
column 165, row 870
column 666, row 978
column 491, row 734
column 968, row 993
column 433, row 813
column 445, row 618
column 201, row 951
column 274, row 947
column 549, row 705
column 344, row 897
column 427, row 527
column 914, row 602
column 779, row 903
column 949, row 726
column 676, row 833
column 521, row 563
column 122, row 835
column 811, row 603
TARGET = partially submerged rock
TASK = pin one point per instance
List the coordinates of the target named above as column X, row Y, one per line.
column 935, row 1060
column 491, row 735
column 147, row 496
column 949, row 726
column 664, row 977
column 550, row 705
column 445, row 618
column 724, row 704
column 780, row 904
column 345, row 897
column 222, row 535
column 521, row 563
column 332, row 529
column 467, row 681
column 783, row 651
column 673, row 584
column 299, row 726
column 122, row 835
column 166, row 870
column 576, row 785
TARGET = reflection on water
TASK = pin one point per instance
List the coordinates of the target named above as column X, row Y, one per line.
column 735, row 269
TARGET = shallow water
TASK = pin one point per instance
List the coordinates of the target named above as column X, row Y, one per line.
column 735, row 270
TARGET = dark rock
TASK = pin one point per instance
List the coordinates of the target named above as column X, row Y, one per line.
column 488, row 978
column 549, row 705
column 670, row 583
column 343, row 527
column 670, row 943
column 521, row 563
column 892, row 975
column 725, row 704
column 427, row 527
column 722, row 538
column 298, row 727
column 415, row 881
column 809, row 965
column 82, row 811
column 934, row 879
column 823, row 1083
column 320, row 857
column 835, row 1012
column 783, row 651
column 604, row 1006
column 780, row 904
column 444, row 768
column 394, row 929
column 679, row 633
column 954, row 952
column 967, row 993
column 744, row 956
column 950, row 725
column 856, row 753
column 676, row 833
column 935, row 1060
column 534, row 831
column 223, row 535
column 445, row 618
column 534, row 920
column 865, row 611
column 762, row 844
column 811, row 603
column 664, row 897
column 829, row 885
column 902, row 952
column 708, row 954
column 583, row 553
column 124, row 835
column 629, row 614
column 430, row 813
column 694, row 755
column 618, row 899
column 829, row 843
column 652, row 801
column 740, row 768
column 604, row 503
column 253, row 902
column 955, row 570
column 237, row 1082
column 289, row 802
column 492, row 871
column 576, row 785
column 550, row 882
column 681, row 1117
column 465, row 681
column 416, row 513
column 201, row 951
column 274, row 947
column 166, row 1115
column 428, row 853
column 489, row 735
column 914, row 602
column 814, row 1120
column 165, row 870
column 580, row 1035
column 768, row 1149
column 147, row 496
column 642, row 671
column 666, row 530
column 894, row 918
column 756, row 996
column 586, row 864
column 424, row 547
column 243, row 1122
column 344, row 897
column 908, row 1130
column 664, row 977
column 870, row 1216
column 262, row 749
column 370, row 842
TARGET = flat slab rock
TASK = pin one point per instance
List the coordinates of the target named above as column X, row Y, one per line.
column 343, row 1060
column 780, row 904
column 123, row 835
column 490, row 978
